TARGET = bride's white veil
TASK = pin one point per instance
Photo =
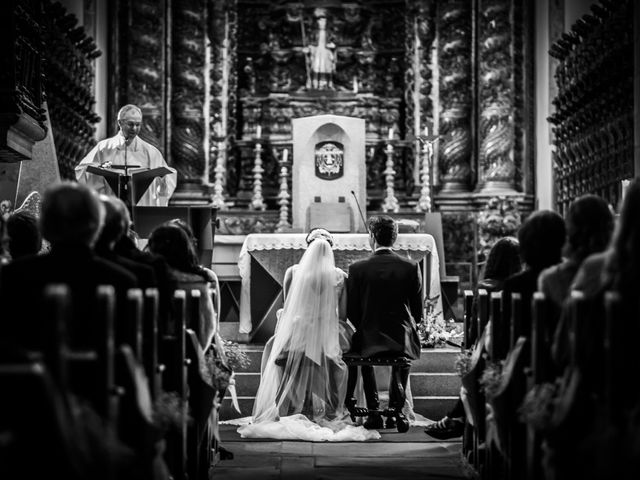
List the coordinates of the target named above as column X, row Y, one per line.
column 304, row 371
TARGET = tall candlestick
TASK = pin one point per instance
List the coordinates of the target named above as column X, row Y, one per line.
column 424, row 202
column 257, row 202
column 283, row 196
column 220, row 175
column 259, row 131
column 390, row 203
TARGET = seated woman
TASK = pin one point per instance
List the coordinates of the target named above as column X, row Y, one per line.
column 173, row 244
column 502, row 262
column 303, row 382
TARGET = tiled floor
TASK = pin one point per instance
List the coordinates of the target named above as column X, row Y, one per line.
column 420, row 457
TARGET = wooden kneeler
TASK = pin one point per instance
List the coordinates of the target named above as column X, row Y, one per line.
column 356, row 361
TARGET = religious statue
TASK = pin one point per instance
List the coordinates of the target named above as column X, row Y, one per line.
column 321, row 59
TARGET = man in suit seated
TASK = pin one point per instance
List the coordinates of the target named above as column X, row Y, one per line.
column 71, row 219
column 384, row 303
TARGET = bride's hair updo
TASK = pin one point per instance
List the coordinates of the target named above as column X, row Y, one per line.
column 319, row 233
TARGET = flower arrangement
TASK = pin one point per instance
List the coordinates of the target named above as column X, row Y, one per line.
column 218, row 373
column 434, row 331
column 463, row 362
column 537, row 406
column 491, row 379
column 237, row 358
column 169, row 412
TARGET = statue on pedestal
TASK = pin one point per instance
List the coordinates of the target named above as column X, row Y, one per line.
column 321, row 59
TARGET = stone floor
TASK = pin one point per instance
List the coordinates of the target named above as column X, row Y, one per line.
column 413, row 456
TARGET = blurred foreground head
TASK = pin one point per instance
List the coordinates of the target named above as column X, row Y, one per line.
column 71, row 215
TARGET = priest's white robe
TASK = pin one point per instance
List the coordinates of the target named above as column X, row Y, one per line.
column 139, row 153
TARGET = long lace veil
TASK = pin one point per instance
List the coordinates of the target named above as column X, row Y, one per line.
column 304, row 371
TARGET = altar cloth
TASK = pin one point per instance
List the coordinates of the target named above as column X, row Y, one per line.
column 273, row 253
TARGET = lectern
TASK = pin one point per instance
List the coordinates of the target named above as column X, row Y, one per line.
column 128, row 185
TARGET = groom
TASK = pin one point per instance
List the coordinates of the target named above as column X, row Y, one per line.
column 384, row 303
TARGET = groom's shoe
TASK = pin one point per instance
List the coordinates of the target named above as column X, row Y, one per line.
column 373, row 421
column 390, row 422
column 402, row 422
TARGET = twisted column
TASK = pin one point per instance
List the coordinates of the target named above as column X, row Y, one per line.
column 496, row 165
column 454, row 54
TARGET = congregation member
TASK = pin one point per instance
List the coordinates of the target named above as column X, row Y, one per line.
column 503, row 261
column 115, row 225
column 589, row 225
column 384, row 304
column 70, row 220
column 173, row 244
column 127, row 148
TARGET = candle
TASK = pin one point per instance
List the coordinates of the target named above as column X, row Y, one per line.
column 371, row 152
column 285, row 155
column 355, row 85
column 391, row 133
column 259, row 131
column 426, row 131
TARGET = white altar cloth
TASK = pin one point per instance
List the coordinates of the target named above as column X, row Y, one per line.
column 404, row 245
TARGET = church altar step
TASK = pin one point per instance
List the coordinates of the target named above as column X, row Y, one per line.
column 434, row 383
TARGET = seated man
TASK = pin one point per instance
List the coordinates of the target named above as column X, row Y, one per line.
column 384, row 303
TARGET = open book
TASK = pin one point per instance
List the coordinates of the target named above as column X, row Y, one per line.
column 140, row 178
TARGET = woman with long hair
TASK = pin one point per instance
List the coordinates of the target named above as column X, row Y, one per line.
column 171, row 242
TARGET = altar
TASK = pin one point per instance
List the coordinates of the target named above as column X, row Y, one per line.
column 264, row 259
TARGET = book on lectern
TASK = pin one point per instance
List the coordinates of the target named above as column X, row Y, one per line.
column 140, row 178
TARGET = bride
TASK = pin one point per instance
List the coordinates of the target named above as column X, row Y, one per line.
column 303, row 382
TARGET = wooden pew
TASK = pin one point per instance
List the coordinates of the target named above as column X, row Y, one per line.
column 150, row 336
column 538, row 372
column 134, row 337
column 470, row 323
column 39, row 438
column 201, row 396
column 173, row 356
column 135, row 417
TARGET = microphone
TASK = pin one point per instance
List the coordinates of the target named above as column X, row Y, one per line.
column 360, row 210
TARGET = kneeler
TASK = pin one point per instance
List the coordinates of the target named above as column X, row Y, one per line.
column 353, row 361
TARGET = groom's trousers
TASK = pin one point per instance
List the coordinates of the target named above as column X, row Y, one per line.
column 397, row 386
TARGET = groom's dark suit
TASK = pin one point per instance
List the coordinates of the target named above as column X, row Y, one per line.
column 384, row 303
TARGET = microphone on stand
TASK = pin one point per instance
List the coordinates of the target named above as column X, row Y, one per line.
column 360, row 210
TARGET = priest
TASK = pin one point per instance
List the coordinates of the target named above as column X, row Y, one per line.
column 126, row 147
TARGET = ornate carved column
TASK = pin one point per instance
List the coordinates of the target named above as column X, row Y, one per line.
column 139, row 67
column 222, row 32
column 454, row 59
column 496, row 97
column 188, row 99
column 419, row 36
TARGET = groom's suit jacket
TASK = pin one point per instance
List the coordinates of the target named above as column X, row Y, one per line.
column 384, row 303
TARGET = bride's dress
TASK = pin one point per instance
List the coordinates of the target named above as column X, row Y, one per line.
column 303, row 382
